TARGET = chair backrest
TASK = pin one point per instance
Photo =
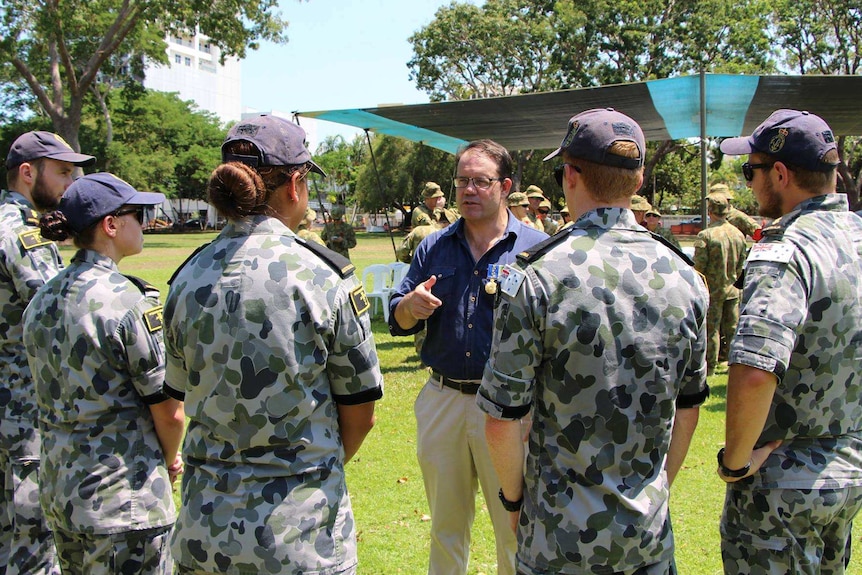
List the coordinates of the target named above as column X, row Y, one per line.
column 377, row 279
column 399, row 270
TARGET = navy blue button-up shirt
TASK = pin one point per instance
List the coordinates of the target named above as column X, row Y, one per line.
column 459, row 331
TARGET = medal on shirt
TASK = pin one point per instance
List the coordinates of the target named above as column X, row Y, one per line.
column 493, row 275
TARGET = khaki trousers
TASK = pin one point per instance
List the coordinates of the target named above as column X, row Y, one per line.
column 453, row 456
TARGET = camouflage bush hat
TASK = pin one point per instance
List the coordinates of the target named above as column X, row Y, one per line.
column 310, row 214
column 279, row 142
column 640, row 204
column 35, row 145
column 545, row 205
column 591, row 133
column 721, row 189
column 518, row 199
column 797, row 138
column 337, row 212
column 653, row 212
column 94, row 196
column 432, row 190
column 535, row 192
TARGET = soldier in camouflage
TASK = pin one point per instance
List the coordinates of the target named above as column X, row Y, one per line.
column 428, row 214
column 304, row 229
column 793, row 454
column 110, row 435
column 39, row 168
column 411, row 241
column 719, row 253
column 338, row 235
column 652, row 221
column 739, row 219
column 600, row 332
column 269, row 342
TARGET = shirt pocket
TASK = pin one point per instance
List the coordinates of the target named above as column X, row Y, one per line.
column 445, row 287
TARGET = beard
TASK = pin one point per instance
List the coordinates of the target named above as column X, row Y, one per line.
column 769, row 202
column 43, row 199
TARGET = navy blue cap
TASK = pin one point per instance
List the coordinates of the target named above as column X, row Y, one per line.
column 796, row 138
column 280, row 142
column 591, row 133
column 35, row 145
column 94, row 196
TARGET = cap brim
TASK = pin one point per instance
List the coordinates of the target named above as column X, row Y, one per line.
column 73, row 158
column 553, row 154
column 146, row 199
column 736, row 146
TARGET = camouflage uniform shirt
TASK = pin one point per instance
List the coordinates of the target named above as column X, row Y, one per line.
column 742, row 221
column 94, row 342
column 603, row 339
column 719, row 253
column 411, row 241
column 801, row 319
column 264, row 337
column 27, row 261
column 422, row 215
column 339, row 229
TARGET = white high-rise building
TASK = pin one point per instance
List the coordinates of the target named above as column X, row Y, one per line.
column 195, row 73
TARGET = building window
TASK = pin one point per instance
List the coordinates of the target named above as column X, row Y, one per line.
column 178, row 59
column 188, row 61
column 206, row 48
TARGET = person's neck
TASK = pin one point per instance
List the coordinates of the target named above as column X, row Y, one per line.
column 483, row 234
column 585, row 202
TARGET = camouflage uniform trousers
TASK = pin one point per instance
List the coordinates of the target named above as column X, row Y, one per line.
column 781, row 531
column 721, row 319
column 27, row 545
column 143, row 552
column 663, row 568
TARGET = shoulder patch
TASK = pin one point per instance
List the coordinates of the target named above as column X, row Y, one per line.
column 185, row 261
column 153, row 319
column 359, row 300
column 542, row 247
column 511, row 279
column 336, row 261
column 146, row 287
column 32, row 239
column 778, row 252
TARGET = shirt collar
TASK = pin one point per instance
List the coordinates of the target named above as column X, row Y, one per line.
column 512, row 227
column 607, row 218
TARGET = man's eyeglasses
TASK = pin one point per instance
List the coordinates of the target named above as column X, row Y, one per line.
column 478, row 183
column 748, row 169
column 137, row 210
column 558, row 172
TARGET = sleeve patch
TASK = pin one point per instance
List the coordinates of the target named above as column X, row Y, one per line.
column 153, row 319
column 771, row 252
column 359, row 300
column 32, row 239
column 511, row 280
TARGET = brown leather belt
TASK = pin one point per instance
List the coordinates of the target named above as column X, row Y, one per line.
column 468, row 386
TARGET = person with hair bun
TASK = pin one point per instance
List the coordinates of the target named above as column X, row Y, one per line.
column 269, row 344
column 110, row 434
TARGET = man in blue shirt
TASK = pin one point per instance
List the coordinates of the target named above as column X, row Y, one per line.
column 451, row 288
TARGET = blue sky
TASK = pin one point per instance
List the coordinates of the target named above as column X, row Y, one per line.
column 340, row 54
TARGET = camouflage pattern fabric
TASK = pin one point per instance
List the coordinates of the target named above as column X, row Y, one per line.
column 742, row 221
column 335, row 231
column 422, row 215
column 668, row 235
column 144, row 551
column 801, row 319
column 549, row 226
column 411, row 241
column 27, row 261
column 310, row 236
column 604, row 333
column 94, row 341
column 719, row 254
column 264, row 338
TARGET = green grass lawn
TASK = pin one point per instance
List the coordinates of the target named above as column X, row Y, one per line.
column 384, row 479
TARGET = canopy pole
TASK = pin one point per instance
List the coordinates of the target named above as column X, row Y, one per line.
column 380, row 185
column 704, row 222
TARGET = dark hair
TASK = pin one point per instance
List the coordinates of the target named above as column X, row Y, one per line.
column 238, row 190
column 816, row 182
column 55, row 227
column 494, row 151
column 12, row 172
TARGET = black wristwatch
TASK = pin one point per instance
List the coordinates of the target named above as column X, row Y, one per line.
column 510, row 506
column 735, row 473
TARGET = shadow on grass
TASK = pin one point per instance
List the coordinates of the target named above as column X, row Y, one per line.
column 717, row 395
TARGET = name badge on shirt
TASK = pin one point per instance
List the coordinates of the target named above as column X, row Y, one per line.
column 511, row 280
column 770, row 252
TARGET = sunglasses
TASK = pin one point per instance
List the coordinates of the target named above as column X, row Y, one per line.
column 558, row 172
column 137, row 210
column 748, row 169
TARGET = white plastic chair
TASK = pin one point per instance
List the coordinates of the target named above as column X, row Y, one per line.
column 399, row 270
column 377, row 281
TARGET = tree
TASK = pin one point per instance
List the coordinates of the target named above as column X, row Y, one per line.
column 58, row 48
